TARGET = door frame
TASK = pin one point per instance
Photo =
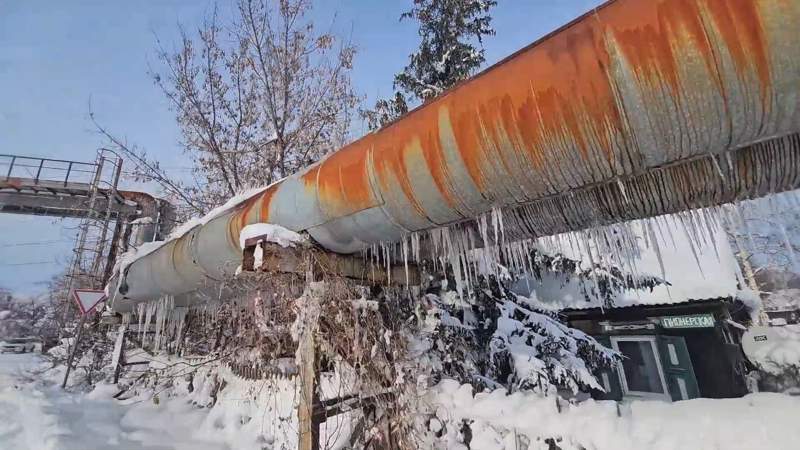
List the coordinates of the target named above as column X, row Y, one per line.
column 626, row 392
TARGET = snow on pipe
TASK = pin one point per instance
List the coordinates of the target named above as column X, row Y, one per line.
column 636, row 109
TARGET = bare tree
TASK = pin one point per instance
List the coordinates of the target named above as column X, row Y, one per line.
column 147, row 169
column 765, row 236
column 258, row 98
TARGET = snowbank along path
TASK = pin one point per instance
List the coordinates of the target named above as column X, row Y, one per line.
column 36, row 415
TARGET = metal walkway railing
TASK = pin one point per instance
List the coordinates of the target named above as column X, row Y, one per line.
column 46, row 169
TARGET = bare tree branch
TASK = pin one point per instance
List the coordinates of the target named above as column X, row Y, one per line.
column 148, row 170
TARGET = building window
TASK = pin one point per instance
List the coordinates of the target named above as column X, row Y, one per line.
column 640, row 372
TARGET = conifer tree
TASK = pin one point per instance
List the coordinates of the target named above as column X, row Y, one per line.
column 450, row 50
column 451, row 36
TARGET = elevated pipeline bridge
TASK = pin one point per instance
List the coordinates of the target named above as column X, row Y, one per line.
column 88, row 192
column 634, row 110
column 56, row 188
column 73, row 189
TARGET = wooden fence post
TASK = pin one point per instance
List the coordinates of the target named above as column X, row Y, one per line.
column 118, row 357
column 309, row 426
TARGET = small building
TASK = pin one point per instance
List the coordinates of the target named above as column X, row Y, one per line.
column 675, row 351
column 783, row 316
column 782, row 307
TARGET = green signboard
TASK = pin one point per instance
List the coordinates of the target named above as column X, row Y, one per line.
column 692, row 321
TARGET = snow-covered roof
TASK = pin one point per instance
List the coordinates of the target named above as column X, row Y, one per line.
column 694, row 270
column 690, row 302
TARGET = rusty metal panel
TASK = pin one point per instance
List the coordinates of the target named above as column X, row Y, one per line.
column 629, row 88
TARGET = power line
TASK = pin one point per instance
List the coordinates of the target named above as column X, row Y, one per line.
column 27, row 244
column 30, row 263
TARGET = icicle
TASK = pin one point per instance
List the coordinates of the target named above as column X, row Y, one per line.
column 499, row 229
column 656, row 248
column 623, row 191
column 140, row 313
column 181, row 323
column 415, row 247
column 163, row 308
column 668, row 225
column 159, row 322
column 483, row 229
column 631, row 253
column 388, row 260
column 699, row 230
column 593, row 270
column 729, row 159
column 405, row 258
column 645, row 226
column 149, row 310
column 502, row 226
column 692, row 246
column 717, row 166
column 711, row 224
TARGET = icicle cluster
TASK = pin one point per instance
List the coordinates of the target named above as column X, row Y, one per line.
column 167, row 320
column 486, row 246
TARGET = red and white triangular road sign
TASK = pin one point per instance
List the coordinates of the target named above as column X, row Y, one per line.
column 87, row 299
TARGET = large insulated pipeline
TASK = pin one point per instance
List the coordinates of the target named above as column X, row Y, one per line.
column 636, row 109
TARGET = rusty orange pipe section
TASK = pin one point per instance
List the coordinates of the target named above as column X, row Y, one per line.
column 633, row 86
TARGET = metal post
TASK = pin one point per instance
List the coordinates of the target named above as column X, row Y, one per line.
column 69, row 170
column 11, row 167
column 117, row 173
column 99, row 173
column 74, row 349
column 39, row 171
column 113, row 249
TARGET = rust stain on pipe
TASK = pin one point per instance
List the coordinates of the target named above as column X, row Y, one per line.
column 556, row 93
column 626, row 89
column 341, row 179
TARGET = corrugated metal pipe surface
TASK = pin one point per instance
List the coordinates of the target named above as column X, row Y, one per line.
column 639, row 108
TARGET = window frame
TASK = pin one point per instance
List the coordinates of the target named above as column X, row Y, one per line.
column 626, row 392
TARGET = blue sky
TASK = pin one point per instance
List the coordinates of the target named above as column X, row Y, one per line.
column 57, row 57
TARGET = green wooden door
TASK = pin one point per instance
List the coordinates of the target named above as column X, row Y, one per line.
column 608, row 378
column 677, row 366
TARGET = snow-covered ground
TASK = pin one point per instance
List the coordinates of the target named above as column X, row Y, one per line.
column 35, row 414
column 500, row 421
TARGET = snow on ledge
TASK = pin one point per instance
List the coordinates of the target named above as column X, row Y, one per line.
column 272, row 233
column 142, row 221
